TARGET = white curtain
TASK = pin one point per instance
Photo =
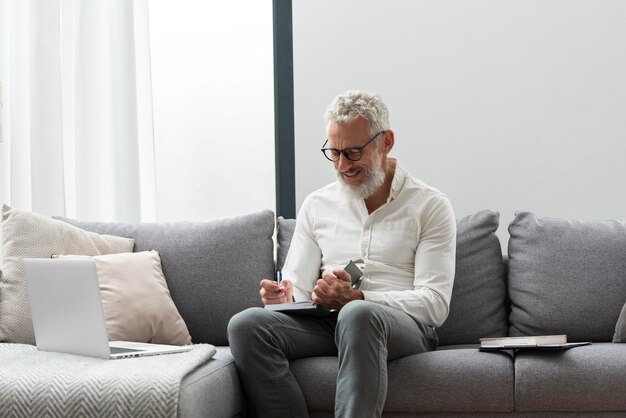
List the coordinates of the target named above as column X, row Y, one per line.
column 77, row 109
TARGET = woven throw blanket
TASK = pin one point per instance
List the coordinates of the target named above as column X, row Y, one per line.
column 40, row 384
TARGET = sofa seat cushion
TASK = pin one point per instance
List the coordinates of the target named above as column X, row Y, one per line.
column 205, row 263
column 588, row 378
column 460, row 379
column 213, row 389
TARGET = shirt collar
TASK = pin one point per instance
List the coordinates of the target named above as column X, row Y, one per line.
column 399, row 176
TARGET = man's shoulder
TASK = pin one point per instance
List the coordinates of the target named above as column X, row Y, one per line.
column 423, row 198
column 418, row 187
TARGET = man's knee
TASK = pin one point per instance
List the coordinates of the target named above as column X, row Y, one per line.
column 357, row 310
column 246, row 324
column 360, row 316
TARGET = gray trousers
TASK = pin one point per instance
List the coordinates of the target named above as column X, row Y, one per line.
column 364, row 336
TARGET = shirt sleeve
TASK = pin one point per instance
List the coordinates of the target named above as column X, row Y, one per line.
column 429, row 301
column 302, row 265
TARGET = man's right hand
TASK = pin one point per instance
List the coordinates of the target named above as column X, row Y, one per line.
column 271, row 293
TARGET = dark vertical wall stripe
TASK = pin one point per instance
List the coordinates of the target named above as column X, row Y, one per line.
column 283, row 110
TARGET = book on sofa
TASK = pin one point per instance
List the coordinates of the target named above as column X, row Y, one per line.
column 306, row 307
column 541, row 342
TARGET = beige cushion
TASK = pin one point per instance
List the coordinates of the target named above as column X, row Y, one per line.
column 136, row 300
column 27, row 234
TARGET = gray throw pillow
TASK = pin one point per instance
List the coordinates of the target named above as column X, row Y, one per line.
column 283, row 237
column 477, row 308
column 212, row 268
column 566, row 276
column 620, row 327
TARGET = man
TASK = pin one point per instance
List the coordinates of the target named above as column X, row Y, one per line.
column 401, row 232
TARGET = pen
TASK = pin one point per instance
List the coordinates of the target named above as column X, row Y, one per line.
column 279, row 277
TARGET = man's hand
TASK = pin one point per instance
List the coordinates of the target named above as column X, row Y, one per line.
column 272, row 293
column 335, row 290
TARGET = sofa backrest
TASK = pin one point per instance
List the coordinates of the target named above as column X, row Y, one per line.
column 566, row 277
column 212, row 268
column 477, row 307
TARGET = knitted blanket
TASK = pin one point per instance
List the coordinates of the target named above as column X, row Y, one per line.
column 41, row 384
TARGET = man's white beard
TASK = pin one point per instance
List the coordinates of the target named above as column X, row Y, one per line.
column 374, row 179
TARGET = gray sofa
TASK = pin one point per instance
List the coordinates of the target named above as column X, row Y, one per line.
column 559, row 277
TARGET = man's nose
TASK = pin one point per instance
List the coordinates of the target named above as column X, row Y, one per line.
column 343, row 163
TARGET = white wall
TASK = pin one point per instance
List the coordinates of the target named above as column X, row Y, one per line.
column 503, row 105
column 212, row 79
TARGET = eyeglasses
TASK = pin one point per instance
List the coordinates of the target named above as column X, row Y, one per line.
column 352, row 153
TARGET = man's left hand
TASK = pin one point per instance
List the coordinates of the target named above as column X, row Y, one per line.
column 334, row 290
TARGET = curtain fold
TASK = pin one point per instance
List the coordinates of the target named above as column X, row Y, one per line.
column 79, row 139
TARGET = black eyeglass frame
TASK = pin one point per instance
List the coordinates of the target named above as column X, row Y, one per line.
column 357, row 151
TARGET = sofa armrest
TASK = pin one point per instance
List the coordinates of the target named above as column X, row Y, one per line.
column 213, row 389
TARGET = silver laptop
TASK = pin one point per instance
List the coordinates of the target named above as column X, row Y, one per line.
column 67, row 311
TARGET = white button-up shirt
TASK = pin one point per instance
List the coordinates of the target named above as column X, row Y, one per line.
column 407, row 246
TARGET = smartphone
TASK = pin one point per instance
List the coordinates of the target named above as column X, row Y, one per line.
column 355, row 274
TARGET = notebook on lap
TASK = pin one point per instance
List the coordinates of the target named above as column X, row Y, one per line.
column 67, row 314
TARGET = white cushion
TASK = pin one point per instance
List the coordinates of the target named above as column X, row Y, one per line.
column 27, row 234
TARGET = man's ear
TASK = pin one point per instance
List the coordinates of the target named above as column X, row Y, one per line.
column 388, row 141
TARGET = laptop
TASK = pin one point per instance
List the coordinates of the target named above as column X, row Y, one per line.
column 67, row 313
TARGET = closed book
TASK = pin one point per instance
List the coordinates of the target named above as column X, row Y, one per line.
column 541, row 342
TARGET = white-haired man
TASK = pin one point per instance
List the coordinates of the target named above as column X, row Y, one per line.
column 402, row 233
